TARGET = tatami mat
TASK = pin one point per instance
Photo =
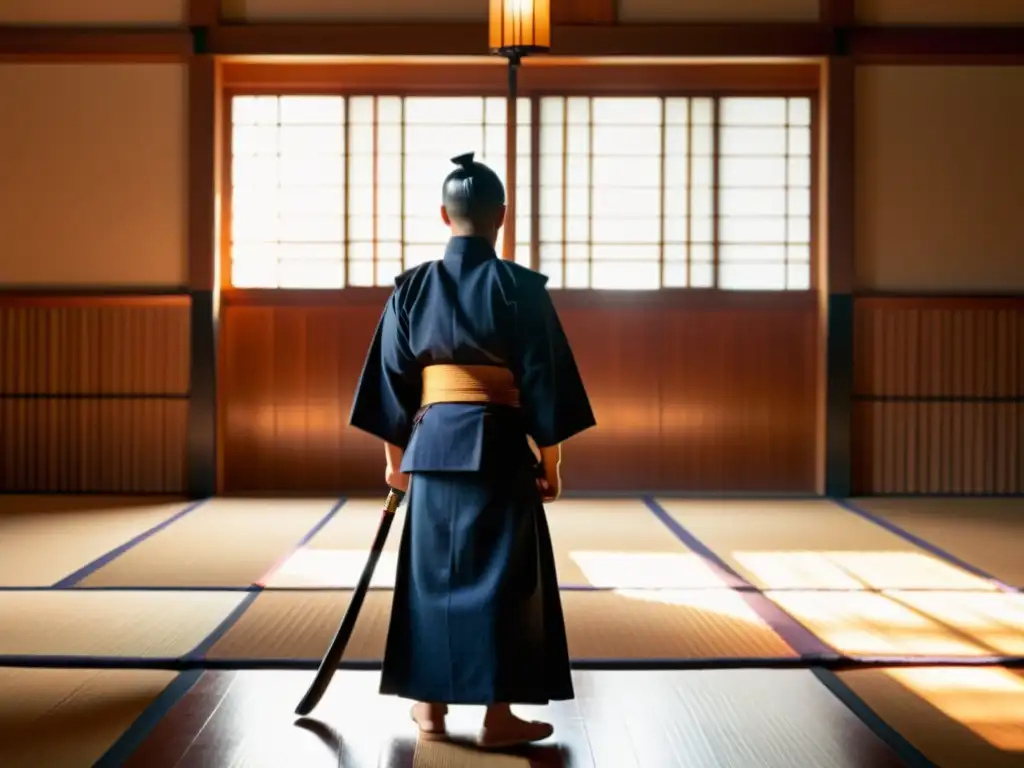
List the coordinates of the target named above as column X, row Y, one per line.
column 45, row 538
column 335, row 556
column 873, row 625
column 300, row 625
column 983, row 532
column 436, row 754
column 224, row 543
column 600, row 625
column 640, row 624
column 110, row 623
column 599, row 543
column 813, row 544
column 620, row 543
column 957, row 717
column 68, row 718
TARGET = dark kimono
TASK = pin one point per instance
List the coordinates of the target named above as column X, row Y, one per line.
column 476, row 617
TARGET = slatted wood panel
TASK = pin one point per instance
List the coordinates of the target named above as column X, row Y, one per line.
column 93, row 394
column 939, row 396
column 715, row 395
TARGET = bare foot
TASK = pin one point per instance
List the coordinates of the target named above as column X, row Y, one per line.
column 430, row 719
column 502, row 729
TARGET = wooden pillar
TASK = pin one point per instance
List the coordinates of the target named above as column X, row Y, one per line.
column 203, row 252
column 836, row 236
column 204, row 288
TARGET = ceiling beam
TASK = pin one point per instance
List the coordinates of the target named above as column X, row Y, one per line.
column 869, row 45
column 57, row 43
column 697, row 40
column 584, row 11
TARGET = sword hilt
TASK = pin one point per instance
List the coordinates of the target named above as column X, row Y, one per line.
column 393, row 500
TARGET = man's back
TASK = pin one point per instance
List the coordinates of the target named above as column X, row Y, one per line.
column 468, row 309
column 462, row 309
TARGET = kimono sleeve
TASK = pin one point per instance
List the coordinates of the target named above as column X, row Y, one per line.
column 552, row 394
column 388, row 394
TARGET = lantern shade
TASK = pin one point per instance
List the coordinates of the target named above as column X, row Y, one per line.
column 520, row 26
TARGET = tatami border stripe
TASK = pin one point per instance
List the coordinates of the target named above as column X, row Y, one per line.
column 223, row 628
column 306, row 538
column 87, row 570
column 907, row 752
column 924, row 544
column 138, row 731
column 313, row 588
column 256, row 664
column 793, row 633
column 561, row 587
column 721, row 569
column 942, row 495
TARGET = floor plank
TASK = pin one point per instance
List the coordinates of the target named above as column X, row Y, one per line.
column 698, row 719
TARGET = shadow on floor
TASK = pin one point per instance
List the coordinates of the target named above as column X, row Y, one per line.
column 459, row 751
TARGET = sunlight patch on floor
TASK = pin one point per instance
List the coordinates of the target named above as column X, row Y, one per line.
column 869, row 624
column 995, row 619
column 312, row 568
column 721, row 602
column 987, row 700
column 645, row 570
column 837, row 569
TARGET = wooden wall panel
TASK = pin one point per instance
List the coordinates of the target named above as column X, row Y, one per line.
column 286, row 383
column 700, row 398
column 940, row 12
column 93, row 394
column 92, row 12
column 353, row 10
column 940, row 396
column 703, row 399
column 646, row 11
column 92, row 188
column 620, row 356
column 939, row 179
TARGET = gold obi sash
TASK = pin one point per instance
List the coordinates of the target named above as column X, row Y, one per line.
column 469, row 384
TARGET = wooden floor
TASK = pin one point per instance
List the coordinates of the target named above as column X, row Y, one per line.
column 741, row 718
column 171, row 635
column 730, row 718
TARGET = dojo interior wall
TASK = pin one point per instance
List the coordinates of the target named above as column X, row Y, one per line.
column 94, row 349
column 939, row 334
column 713, row 395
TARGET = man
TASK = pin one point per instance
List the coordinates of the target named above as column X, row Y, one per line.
column 468, row 360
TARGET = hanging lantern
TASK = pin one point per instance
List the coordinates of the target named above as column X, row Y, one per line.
column 520, row 27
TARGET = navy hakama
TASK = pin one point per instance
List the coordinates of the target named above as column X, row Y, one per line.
column 476, row 617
